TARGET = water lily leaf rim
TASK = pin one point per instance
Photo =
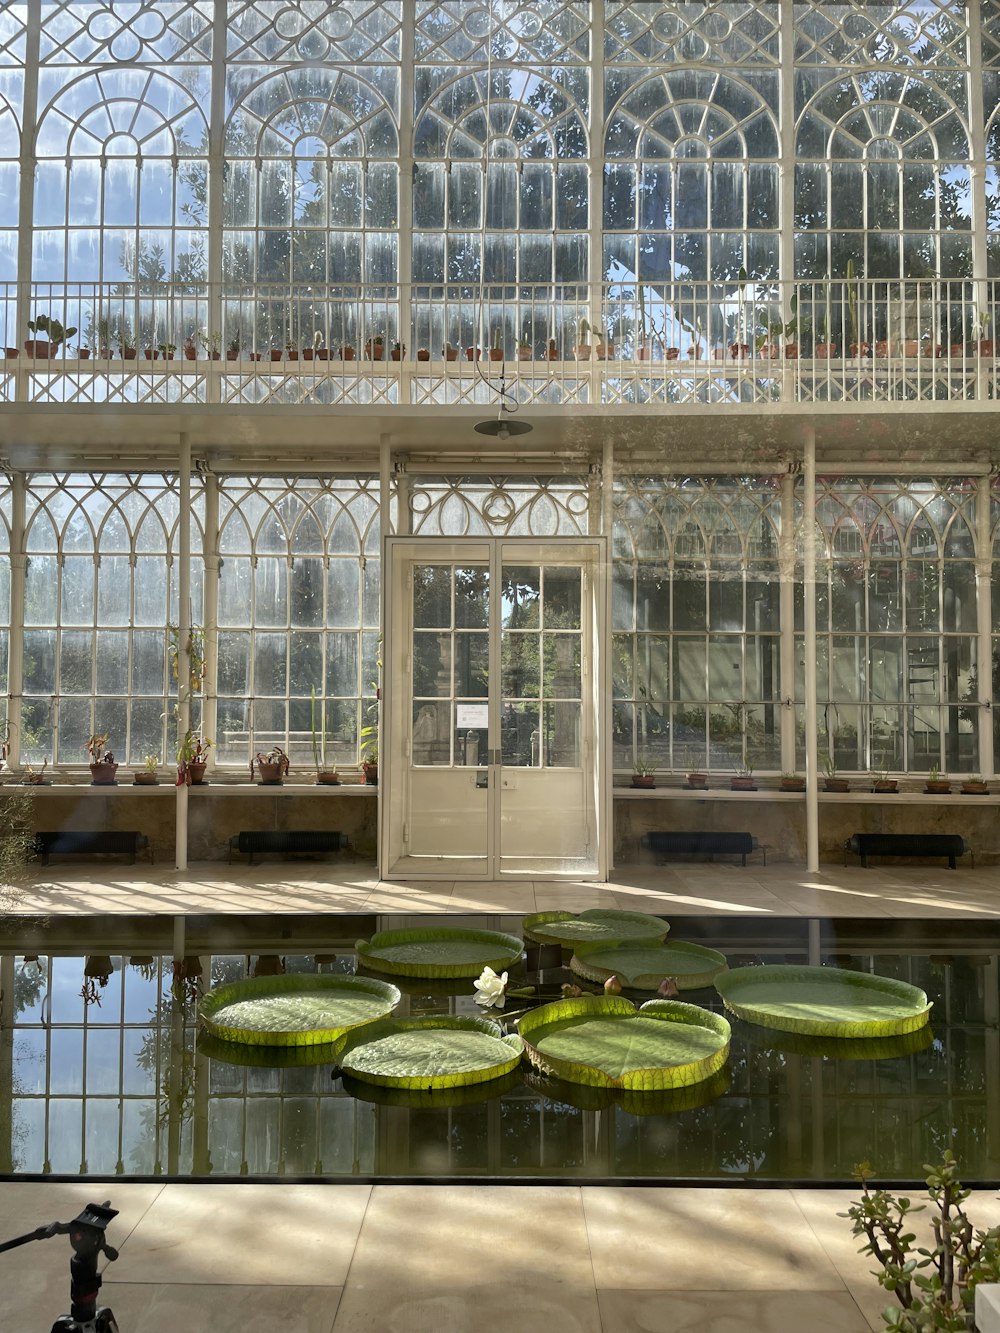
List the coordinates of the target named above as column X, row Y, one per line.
column 508, row 949
column 534, row 925
column 736, row 989
column 615, row 1008
column 260, row 988
column 445, row 1023
column 585, row 964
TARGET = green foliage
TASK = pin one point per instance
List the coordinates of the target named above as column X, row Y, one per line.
column 16, row 845
column 52, row 328
column 935, row 1286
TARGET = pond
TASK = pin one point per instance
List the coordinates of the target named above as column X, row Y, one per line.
column 106, row 1073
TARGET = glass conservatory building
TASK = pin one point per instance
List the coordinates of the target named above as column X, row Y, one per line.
column 539, row 392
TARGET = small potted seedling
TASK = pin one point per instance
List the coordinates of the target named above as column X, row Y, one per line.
column 167, row 350
column 582, row 349
column 348, row 352
column 644, row 773
column 792, row 782
column 883, row 784
column 326, row 765
column 449, row 353
column 604, row 347
column 697, row 780
column 553, row 350
column 937, row 784
column 523, row 349
column 272, row 766
column 192, row 759
column 975, row 786
column 496, row 351
column 148, row 776
column 742, row 779
column 375, row 347
column 103, row 767
column 472, row 352
column 423, row 353
column 190, row 348
column 233, row 348
column 832, row 780
column 35, row 777
column 291, row 350
column 212, row 343
column 320, row 350
column 398, row 351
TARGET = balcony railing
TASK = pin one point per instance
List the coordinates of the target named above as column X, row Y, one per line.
column 625, row 343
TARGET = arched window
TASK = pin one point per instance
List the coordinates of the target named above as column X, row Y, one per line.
column 896, row 624
column 311, row 207
column 100, row 594
column 121, row 194
column 298, row 614
column 695, row 613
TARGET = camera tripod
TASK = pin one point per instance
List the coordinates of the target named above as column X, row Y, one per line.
column 86, row 1235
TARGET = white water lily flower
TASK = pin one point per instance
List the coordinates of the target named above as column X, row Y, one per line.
column 491, row 990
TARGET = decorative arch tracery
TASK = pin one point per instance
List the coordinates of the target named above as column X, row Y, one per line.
column 100, row 595
column 298, row 612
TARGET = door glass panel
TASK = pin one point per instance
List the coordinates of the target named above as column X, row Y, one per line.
column 521, row 597
column 431, row 733
column 562, row 735
column 431, row 596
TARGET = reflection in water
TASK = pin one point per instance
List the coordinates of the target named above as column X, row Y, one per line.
column 128, row 1086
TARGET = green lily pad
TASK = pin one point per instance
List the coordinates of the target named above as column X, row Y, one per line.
column 596, row 926
column 824, row 1001
column 607, row 1042
column 295, row 1010
column 643, row 966
column 437, row 951
column 437, row 1051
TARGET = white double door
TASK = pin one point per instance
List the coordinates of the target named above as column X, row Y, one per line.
column 491, row 753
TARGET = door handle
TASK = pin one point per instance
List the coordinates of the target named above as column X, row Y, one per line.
column 482, row 778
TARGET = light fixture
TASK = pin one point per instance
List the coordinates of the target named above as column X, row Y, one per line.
column 502, row 429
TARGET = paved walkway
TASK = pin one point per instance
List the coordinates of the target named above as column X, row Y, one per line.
column 458, row 1259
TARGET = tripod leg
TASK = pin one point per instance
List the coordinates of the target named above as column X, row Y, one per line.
column 105, row 1322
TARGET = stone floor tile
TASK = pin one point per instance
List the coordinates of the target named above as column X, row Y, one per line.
column 730, row 1312
column 703, row 1240
column 165, row 1308
column 246, row 1235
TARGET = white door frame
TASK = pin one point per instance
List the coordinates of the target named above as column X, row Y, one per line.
column 397, row 552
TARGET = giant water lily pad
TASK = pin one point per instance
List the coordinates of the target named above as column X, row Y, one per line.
column 824, row 1001
column 437, row 951
column 596, row 926
column 433, row 1098
column 437, row 1051
column 644, row 966
column 295, row 1010
column 607, row 1042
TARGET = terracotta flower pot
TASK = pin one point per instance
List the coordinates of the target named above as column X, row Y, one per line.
column 836, row 784
column 672, row 353
column 496, row 353
column 793, row 784
column 11, row 352
column 985, row 347
column 371, row 774
column 196, row 773
column 328, row 778
column 825, row 351
column 276, row 353
column 272, row 775
column 644, row 780
column 937, row 788
column 145, row 779
column 524, row 354
column 975, row 788
column 742, row 784
column 739, row 351
column 885, row 786
column 103, row 775
column 347, row 353
column 423, row 353
column 698, row 780
column 791, row 351
column 40, row 349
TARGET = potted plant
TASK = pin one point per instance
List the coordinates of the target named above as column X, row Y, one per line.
column 937, row 785
column 398, row 351
column 975, row 786
column 553, row 350
column 348, row 352
column 472, row 353
column 126, row 341
column 582, row 349
column 102, row 331
column 697, row 335
column 792, row 782
column 192, row 759
column 326, row 766
column 375, row 347
column 697, row 780
column 102, row 765
column 523, row 349
column 644, row 773
column 167, row 350
column 833, row 781
column 55, row 334
column 272, row 766
column 147, row 777
column 35, row 777
column 212, row 343
column 496, row 351
column 369, row 764
column 233, row 348
column 190, row 348
column 423, row 353
column 825, row 349
column 858, row 348
column 449, row 353
column 742, row 779
column 983, row 344
column 292, row 350
column 882, row 783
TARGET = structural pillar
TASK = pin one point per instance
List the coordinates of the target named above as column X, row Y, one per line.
column 809, row 610
column 183, row 637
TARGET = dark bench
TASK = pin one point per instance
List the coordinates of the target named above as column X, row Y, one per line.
column 706, row 842
column 70, row 842
column 907, row 844
column 286, row 842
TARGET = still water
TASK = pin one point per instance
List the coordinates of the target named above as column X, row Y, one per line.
column 104, row 1071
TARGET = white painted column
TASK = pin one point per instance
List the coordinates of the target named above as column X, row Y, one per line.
column 183, row 634
column 405, row 186
column 15, row 651
column 984, row 626
column 216, row 180
column 26, row 200
column 604, row 709
column 786, row 196
column 213, row 566
column 786, row 618
column 595, row 172
column 809, row 597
